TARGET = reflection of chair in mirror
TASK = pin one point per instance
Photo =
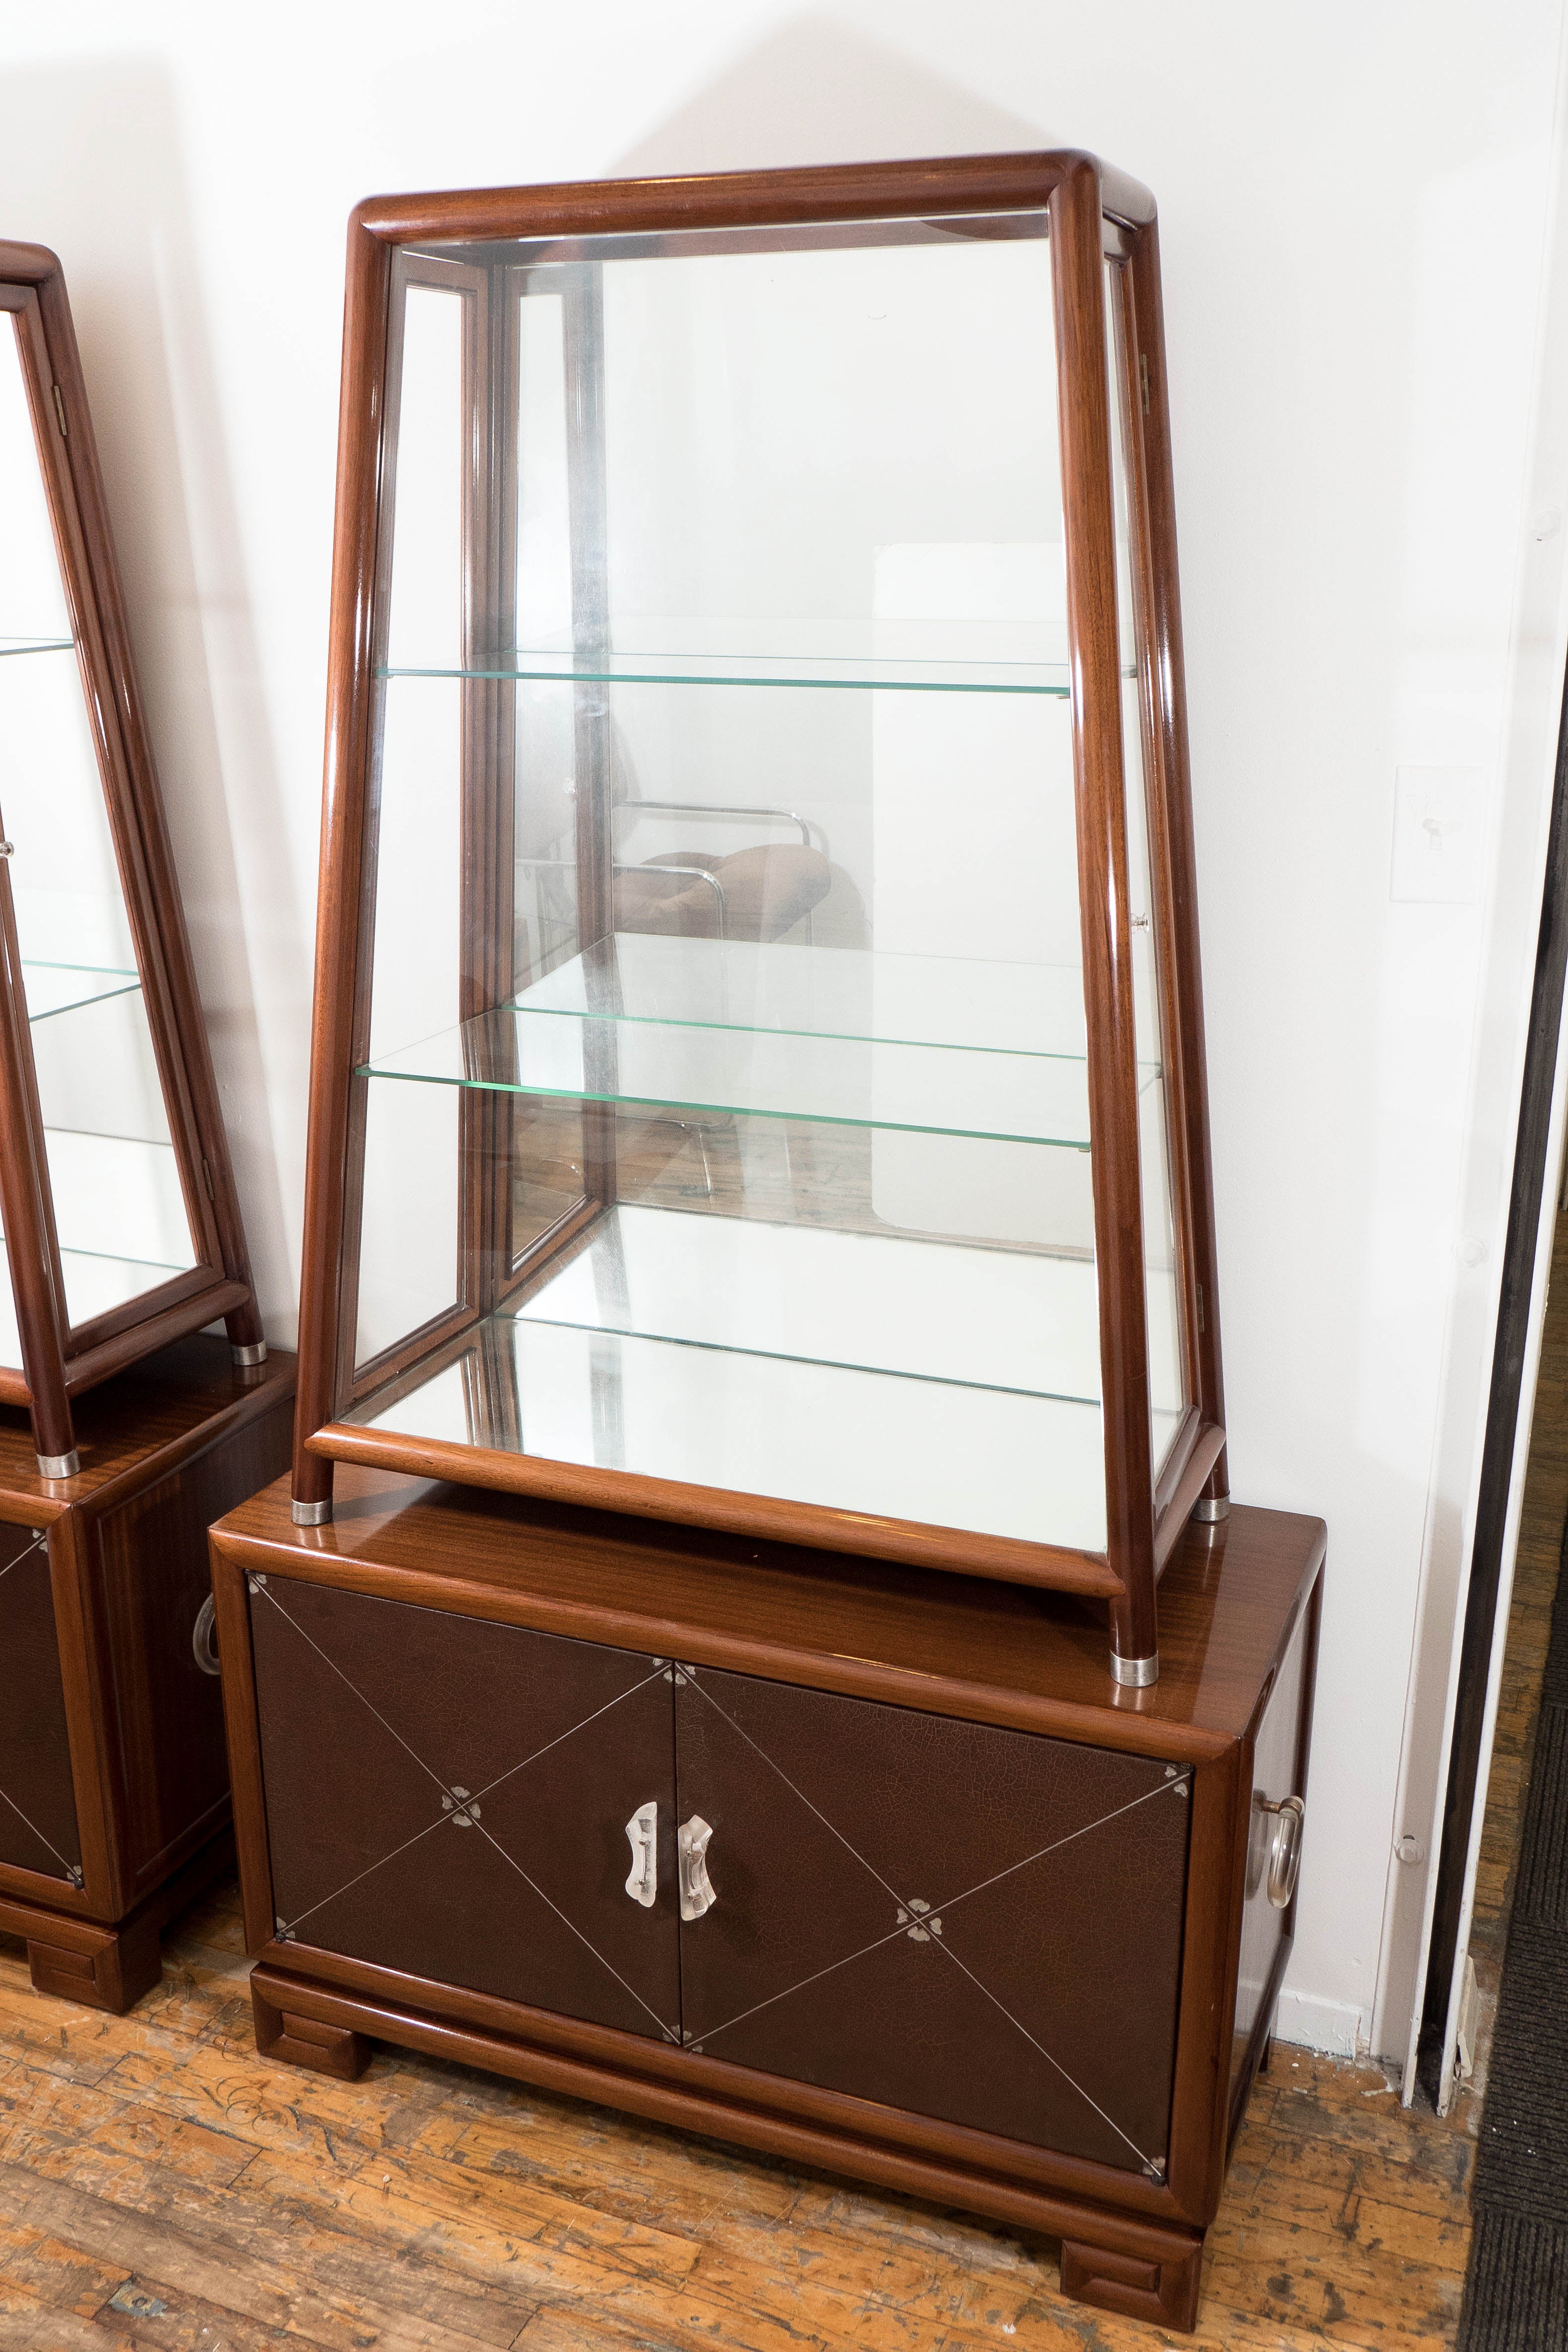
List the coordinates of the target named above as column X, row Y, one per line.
column 121, row 1430
column 758, row 893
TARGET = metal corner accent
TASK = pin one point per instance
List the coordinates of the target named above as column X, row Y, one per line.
column 1208, row 1512
column 60, row 1465
column 310, row 1515
column 1135, row 1674
column 256, row 1354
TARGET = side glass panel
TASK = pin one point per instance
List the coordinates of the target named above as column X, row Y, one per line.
column 1167, row 1356
column 120, row 1208
column 727, row 892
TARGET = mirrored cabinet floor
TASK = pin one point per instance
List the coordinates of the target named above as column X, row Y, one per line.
column 113, row 1778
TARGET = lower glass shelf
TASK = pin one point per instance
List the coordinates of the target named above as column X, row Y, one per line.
column 119, row 1216
column 908, row 1380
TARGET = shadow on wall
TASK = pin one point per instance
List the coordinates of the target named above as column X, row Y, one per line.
column 91, row 164
column 816, row 93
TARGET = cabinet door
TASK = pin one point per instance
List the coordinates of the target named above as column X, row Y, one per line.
column 977, row 1925
column 38, row 1805
column 451, row 1798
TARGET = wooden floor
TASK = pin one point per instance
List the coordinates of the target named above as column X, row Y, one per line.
column 161, row 2187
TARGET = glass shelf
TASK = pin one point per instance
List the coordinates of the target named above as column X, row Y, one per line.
column 936, row 657
column 955, row 1387
column 831, row 992
column 54, row 988
column 36, row 645
column 919, row 1089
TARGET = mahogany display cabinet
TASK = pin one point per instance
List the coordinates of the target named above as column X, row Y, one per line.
column 114, row 1808
column 865, row 1865
column 122, row 1230
column 760, row 1413
column 120, row 1433
column 758, row 1068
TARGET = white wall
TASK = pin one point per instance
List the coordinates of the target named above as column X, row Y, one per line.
column 1353, row 202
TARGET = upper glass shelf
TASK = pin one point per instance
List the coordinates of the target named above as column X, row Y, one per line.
column 1007, row 1097
column 931, row 656
column 63, row 987
column 830, row 992
column 34, row 646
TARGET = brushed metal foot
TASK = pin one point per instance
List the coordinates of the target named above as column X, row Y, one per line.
column 1218, row 1509
column 60, row 1465
column 1136, row 1674
column 254, row 1354
column 310, row 1515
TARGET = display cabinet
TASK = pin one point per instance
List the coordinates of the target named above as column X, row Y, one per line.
column 116, row 1192
column 122, row 1430
column 758, row 1071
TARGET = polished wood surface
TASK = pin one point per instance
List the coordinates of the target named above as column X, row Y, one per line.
column 156, row 2158
column 992, row 1652
column 1094, row 656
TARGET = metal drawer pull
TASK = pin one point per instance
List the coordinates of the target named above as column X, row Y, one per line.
column 204, row 1639
column 1284, row 1848
column 697, row 1893
column 642, row 1835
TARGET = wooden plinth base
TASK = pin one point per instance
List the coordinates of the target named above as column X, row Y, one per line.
column 1121, row 2263
column 110, row 1964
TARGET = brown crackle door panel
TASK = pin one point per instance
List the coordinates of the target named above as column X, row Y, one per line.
column 978, row 1924
column 37, row 1803
column 459, row 1799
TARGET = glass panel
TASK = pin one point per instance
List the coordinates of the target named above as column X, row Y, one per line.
column 120, row 1207
column 733, row 735
column 1167, row 1359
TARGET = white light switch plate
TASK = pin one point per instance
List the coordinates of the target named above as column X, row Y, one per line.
column 1439, row 836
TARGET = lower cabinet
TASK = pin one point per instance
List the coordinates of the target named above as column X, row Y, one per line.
column 872, row 1870
column 969, row 1923
column 114, row 1806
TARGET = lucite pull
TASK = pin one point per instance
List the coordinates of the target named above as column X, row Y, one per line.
column 642, row 1835
column 697, row 1893
column 1284, row 1848
column 204, row 1639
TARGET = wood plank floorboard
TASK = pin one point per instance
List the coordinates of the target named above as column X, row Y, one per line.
column 161, row 2186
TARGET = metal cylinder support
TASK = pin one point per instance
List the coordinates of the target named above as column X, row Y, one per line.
column 1135, row 1674
column 60, row 1465
column 310, row 1515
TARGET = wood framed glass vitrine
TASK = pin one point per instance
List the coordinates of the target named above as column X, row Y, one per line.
column 123, row 1232
column 758, row 1075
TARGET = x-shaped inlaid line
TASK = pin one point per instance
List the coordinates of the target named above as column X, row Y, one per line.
column 465, row 1807
column 911, row 1911
column 72, row 1870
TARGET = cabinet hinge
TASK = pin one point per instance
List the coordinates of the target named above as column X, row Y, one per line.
column 1144, row 379
column 207, row 1180
column 1202, row 1326
column 60, row 412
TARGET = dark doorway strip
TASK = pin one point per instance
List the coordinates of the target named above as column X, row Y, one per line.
column 1516, row 2293
column 1528, row 1191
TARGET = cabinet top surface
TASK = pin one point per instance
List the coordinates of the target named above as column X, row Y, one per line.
column 1227, row 1602
column 123, row 1424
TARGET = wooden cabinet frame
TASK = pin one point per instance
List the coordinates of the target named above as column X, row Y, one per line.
column 60, row 1362
column 1094, row 216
